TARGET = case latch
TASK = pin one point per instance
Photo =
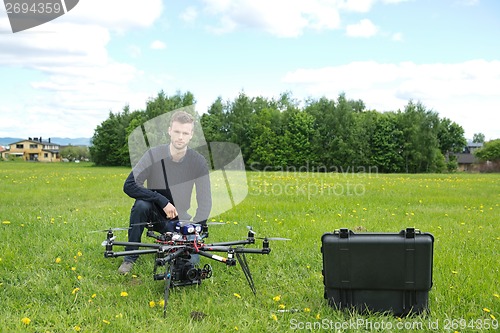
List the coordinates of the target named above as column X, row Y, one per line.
column 410, row 232
column 344, row 233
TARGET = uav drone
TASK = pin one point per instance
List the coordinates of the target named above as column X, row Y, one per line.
column 174, row 252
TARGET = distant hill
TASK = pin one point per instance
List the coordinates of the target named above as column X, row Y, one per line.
column 60, row 141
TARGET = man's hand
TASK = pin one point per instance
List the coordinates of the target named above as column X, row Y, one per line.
column 170, row 210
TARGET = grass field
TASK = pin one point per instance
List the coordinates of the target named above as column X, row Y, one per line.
column 54, row 277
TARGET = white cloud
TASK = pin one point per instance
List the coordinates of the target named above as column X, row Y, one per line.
column 289, row 18
column 158, row 45
column 364, row 28
column 397, row 37
column 394, row 1
column 362, row 6
column 466, row 92
column 116, row 15
column 281, row 18
column 189, row 15
column 77, row 82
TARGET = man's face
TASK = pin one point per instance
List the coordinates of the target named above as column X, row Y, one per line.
column 180, row 134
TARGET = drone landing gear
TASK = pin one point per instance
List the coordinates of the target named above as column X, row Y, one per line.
column 246, row 270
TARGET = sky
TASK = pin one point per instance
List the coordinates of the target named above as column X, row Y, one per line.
column 63, row 78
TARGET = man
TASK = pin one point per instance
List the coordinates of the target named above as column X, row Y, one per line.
column 170, row 172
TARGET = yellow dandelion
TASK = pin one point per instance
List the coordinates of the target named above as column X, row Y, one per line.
column 237, row 295
column 273, row 316
column 486, row 310
column 493, row 317
column 152, row 304
column 235, row 222
column 79, row 254
column 124, row 294
column 73, row 269
column 161, row 303
column 79, row 277
column 307, row 310
column 77, row 328
column 454, row 272
column 318, row 317
column 236, row 328
column 496, row 295
column 26, row 321
column 93, row 296
column 58, row 260
column 277, row 298
column 120, row 315
column 106, row 321
column 6, row 222
column 281, row 306
column 75, row 291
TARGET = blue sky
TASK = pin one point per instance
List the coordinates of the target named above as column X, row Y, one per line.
column 64, row 77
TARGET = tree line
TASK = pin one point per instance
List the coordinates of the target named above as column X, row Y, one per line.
column 315, row 134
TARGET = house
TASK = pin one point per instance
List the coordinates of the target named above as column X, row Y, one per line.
column 34, row 149
column 466, row 160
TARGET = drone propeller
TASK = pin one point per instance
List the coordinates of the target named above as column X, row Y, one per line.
column 110, row 229
column 274, row 238
column 267, row 238
column 145, row 223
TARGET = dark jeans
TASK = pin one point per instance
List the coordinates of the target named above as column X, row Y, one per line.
column 144, row 211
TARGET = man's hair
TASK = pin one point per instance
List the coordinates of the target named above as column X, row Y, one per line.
column 182, row 117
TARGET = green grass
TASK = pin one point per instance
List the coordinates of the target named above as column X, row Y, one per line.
column 48, row 210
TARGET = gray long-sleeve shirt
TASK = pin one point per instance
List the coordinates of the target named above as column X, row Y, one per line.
column 168, row 181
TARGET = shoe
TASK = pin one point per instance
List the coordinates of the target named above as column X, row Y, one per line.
column 125, row 267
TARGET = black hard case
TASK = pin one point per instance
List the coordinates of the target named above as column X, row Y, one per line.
column 378, row 272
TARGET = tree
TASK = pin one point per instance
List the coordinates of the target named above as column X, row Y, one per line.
column 266, row 144
column 296, row 145
column 73, row 153
column 490, row 151
column 420, row 130
column 451, row 140
column 214, row 122
column 109, row 143
column 478, row 138
column 385, row 143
